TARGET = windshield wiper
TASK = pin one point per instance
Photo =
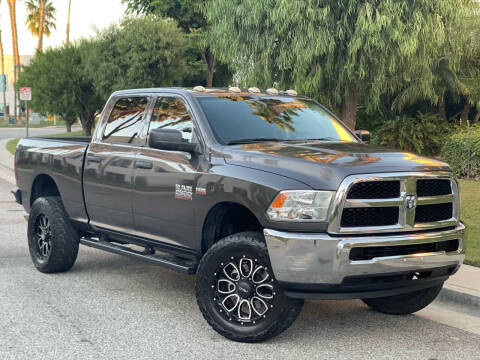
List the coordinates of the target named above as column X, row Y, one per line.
column 252, row 140
column 323, row 139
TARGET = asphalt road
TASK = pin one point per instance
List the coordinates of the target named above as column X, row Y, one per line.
column 110, row 307
column 8, row 133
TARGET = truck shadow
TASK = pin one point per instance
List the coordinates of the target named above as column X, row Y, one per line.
column 346, row 322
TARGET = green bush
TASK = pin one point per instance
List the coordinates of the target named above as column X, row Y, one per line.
column 455, row 152
column 423, row 134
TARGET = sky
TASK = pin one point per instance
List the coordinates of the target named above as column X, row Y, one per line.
column 86, row 15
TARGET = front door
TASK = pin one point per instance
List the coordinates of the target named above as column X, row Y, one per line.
column 109, row 166
column 164, row 180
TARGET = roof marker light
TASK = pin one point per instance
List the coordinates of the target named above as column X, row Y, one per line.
column 291, row 92
column 199, row 88
column 272, row 91
column 254, row 90
column 234, row 89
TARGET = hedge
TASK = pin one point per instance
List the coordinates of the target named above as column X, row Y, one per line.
column 455, row 152
column 422, row 134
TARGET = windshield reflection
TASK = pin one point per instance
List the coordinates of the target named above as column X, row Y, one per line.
column 241, row 117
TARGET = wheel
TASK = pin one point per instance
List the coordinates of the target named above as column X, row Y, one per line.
column 404, row 304
column 237, row 293
column 52, row 241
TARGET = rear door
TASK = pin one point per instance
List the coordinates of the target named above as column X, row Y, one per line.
column 108, row 174
column 164, row 180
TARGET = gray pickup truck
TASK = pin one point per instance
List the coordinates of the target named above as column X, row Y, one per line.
column 264, row 195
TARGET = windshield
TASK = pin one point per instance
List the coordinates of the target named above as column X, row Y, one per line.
column 244, row 119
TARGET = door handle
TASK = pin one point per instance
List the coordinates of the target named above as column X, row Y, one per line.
column 143, row 165
column 94, row 159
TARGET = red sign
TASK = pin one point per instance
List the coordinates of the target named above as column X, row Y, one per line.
column 25, row 93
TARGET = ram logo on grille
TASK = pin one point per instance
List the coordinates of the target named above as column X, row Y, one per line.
column 410, row 202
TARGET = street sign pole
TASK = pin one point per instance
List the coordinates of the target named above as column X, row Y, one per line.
column 26, row 95
column 26, row 115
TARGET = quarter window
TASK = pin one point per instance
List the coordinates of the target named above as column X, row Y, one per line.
column 171, row 113
column 126, row 120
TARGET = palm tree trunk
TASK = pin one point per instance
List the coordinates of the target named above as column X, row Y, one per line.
column 67, row 41
column 41, row 25
column 4, row 85
column 349, row 108
column 16, row 57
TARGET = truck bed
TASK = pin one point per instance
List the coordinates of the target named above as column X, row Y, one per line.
column 61, row 159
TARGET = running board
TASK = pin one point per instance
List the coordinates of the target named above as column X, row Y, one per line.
column 165, row 260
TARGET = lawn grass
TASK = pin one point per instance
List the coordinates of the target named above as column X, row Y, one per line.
column 12, row 144
column 469, row 212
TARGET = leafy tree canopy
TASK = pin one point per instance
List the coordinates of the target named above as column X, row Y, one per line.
column 343, row 52
column 59, row 86
column 140, row 53
column 190, row 15
column 187, row 13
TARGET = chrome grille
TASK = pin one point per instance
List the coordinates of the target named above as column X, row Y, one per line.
column 374, row 190
column 423, row 201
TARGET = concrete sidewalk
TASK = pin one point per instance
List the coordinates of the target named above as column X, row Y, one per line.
column 461, row 290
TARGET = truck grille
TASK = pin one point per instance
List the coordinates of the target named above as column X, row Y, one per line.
column 392, row 203
column 369, row 253
column 435, row 212
column 380, row 216
column 433, row 187
column 374, row 190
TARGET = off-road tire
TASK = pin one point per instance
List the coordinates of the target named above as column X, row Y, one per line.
column 277, row 319
column 64, row 238
column 404, row 304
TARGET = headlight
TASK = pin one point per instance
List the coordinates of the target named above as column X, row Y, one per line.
column 300, row 205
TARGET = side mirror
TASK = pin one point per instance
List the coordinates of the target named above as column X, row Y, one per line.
column 170, row 139
column 363, row 135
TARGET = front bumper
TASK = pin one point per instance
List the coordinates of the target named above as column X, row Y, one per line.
column 309, row 265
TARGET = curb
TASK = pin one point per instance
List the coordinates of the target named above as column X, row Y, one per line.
column 464, row 300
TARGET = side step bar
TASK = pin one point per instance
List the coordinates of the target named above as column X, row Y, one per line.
column 167, row 261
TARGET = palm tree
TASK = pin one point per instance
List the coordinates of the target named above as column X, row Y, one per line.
column 40, row 19
column 4, row 85
column 67, row 42
column 16, row 57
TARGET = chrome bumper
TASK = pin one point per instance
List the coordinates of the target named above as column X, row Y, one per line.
column 304, row 258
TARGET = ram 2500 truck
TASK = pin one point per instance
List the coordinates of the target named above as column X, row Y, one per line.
column 266, row 196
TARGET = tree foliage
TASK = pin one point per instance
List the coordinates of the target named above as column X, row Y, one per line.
column 60, row 87
column 76, row 80
column 190, row 15
column 343, row 52
column 187, row 13
column 139, row 53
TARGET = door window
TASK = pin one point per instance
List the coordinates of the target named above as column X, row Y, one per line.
column 171, row 113
column 126, row 120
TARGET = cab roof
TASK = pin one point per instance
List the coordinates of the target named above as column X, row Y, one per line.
column 206, row 93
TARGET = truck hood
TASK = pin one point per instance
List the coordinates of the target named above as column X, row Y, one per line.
column 323, row 165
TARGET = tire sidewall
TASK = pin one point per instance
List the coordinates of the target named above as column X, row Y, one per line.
column 222, row 252
column 60, row 227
